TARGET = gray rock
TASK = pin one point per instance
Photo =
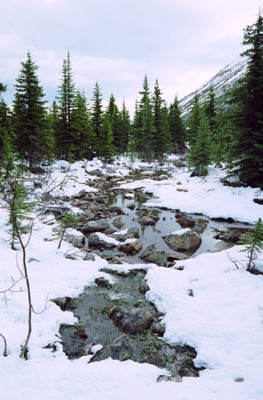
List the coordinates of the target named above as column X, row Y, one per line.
column 131, row 321
column 146, row 220
column 74, row 340
column 151, row 255
column 116, row 209
column 89, row 257
column 103, row 283
column 144, row 287
column 186, row 221
column 57, row 211
column 95, row 226
column 188, row 242
column 158, row 328
column 76, row 241
column 131, row 248
column 98, row 243
column 118, row 223
column 176, row 256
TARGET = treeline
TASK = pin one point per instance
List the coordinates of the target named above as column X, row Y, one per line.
column 72, row 130
column 230, row 136
column 233, row 134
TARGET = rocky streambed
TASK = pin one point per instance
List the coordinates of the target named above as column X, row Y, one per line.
column 114, row 313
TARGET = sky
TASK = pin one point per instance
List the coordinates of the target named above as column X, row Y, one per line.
column 182, row 43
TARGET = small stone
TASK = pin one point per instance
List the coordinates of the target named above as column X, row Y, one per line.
column 103, row 283
column 239, row 379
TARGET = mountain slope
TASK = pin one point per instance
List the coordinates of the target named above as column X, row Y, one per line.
column 221, row 83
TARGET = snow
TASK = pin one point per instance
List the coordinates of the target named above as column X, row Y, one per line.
column 181, row 231
column 223, row 319
column 207, row 196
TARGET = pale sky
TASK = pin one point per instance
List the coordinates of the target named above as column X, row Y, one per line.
column 182, row 43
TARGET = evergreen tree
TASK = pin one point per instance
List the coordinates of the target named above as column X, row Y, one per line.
column 30, row 123
column 176, row 127
column 210, row 111
column 194, row 122
column 66, row 97
column 97, row 117
column 253, row 242
column 144, row 128
column 6, row 137
column 115, row 121
column 83, row 137
column 247, row 115
column 107, row 150
column 161, row 139
column 125, row 130
column 200, row 152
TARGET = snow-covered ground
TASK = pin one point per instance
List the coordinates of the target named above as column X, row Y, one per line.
column 223, row 319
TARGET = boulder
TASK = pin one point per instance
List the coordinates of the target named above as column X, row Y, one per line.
column 118, row 223
column 186, row 221
column 132, row 321
column 185, row 241
column 95, row 226
column 101, row 242
column 146, row 220
column 131, row 247
column 57, row 211
column 232, row 235
column 117, row 210
column 76, row 241
column 151, row 255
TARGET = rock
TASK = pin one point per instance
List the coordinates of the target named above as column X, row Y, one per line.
column 95, row 226
column 188, row 242
column 74, row 340
column 117, row 260
column 117, row 210
column 258, row 201
column 95, row 172
column 200, row 225
column 176, row 256
column 151, row 255
column 172, row 378
column 158, row 328
column 76, row 241
column 147, row 221
column 89, row 257
column 57, row 211
column 97, row 242
column 144, row 287
column 131, row 321
column 232, row 235
column 186, row 221
column 132, row 247
column 103, row 283
column 118, row 223
column 131, row 206
column 63, row 302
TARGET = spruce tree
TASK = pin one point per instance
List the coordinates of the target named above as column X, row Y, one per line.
column 210, row 110
column 194, row 122
column 107, row 149
column 30, row 122
column 176, row 128
column 115, row 121
column 253, row 242
column 125, row 130
column 97, row 117
column 145, row 130
column 247, row 116
column 83, row 137
column 161, row 139
column 6, row 137
column 66, row 97
column 200, row 152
